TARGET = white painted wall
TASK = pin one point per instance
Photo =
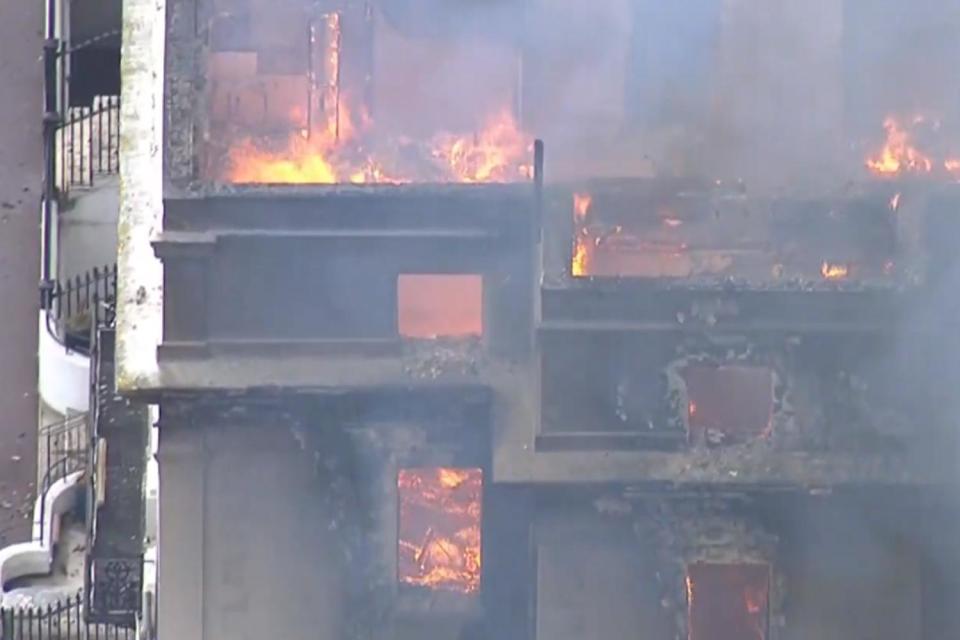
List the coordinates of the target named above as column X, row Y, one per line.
column 64, row 379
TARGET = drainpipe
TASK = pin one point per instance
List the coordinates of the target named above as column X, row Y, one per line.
column 52, row 96
column 51, row 121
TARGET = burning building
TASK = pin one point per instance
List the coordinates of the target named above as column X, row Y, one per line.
column 535, row 320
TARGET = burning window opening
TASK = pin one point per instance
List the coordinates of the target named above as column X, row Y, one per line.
column 728, row 601
column 438, row 542
column 612, row 250
column 431, row 306
column 728, row 404
column 290, row 115
column 652, row 230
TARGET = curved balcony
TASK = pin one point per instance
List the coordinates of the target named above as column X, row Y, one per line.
column 76, row 307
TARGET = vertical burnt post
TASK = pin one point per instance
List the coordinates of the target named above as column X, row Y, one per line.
column 538, row 189
column 537, row 252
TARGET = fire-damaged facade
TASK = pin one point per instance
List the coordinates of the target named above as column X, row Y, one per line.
column 543, row 321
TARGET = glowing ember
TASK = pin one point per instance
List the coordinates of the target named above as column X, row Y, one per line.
column 439, row 528
column 834, row 271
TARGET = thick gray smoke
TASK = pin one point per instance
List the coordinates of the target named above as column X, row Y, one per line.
column 779, row 94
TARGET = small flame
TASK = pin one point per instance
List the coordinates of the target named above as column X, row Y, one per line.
column 580, row 264
column 692, row 409
column 834, row 271
column 583, row 243
column 581, row 206
column 898, row 155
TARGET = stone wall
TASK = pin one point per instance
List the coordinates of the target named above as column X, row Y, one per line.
column 246, row 550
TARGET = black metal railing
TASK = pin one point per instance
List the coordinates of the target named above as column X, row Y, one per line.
column 80, row 304
column 63, row 620
column 87, row 142
column 79, row 142
column 67, row 447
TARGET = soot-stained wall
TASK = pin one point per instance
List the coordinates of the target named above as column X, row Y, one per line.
column 840, row 570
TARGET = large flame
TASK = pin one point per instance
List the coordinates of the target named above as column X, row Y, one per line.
column 439, row 528
column 326, row 156
column 336, row 154
column 335, row 144
column 495, row 154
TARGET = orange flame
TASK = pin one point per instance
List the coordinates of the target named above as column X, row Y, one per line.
column 334, row 155
column 579, row 266
column 834, row 271
column 580, row 263
column 321, row 157
column 495, row 154
column 330, row 150
column 439, row 528
column 898, row 155
column 581, row 206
